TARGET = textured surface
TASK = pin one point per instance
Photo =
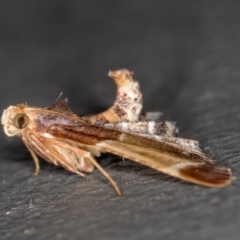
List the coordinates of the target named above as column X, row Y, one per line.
column 186, row 57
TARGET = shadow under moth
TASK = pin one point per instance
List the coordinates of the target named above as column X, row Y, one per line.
column 63, row 138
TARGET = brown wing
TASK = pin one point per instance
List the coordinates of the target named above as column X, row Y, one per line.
column 182, row 162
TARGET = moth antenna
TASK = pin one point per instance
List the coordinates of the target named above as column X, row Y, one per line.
column 107, row 175
column 36, row 161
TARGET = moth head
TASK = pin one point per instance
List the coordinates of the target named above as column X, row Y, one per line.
column 14, row 119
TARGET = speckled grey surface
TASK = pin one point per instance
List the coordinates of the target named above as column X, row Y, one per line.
column 186, row 56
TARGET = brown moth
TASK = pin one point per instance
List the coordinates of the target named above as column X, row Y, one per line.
column 63, row 138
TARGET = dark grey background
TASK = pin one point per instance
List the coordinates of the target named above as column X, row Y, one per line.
column 185, row 54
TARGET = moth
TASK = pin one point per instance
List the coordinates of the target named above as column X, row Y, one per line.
column 63, row 138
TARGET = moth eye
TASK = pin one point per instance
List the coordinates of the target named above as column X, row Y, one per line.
column 20, row 121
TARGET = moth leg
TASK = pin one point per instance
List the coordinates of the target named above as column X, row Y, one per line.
column 107, row 175
column 56, row 156
column 128, row 103
column 80, row 174
column 36, row 161
column 88, row 157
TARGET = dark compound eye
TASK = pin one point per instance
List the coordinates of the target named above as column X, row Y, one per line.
column 20, row 121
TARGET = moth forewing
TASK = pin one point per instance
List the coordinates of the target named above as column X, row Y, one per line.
column 180, row 159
